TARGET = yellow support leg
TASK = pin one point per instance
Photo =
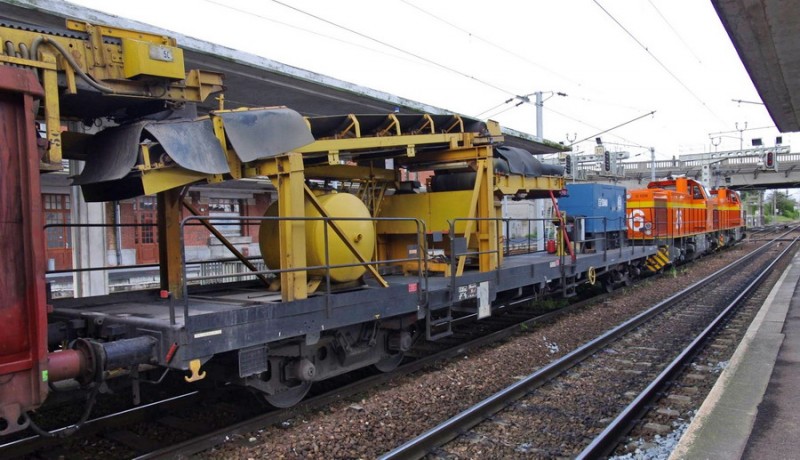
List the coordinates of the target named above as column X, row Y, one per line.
column 482, row 206
column 169, row 242
column 290, row 182
column 52, row 160
column 473, row 203
column 487, row 228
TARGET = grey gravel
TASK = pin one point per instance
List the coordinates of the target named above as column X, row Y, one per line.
column 410, row 405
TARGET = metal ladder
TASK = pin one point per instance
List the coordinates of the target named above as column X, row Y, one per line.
column 439, row 323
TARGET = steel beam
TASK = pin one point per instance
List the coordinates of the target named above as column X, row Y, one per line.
column 290, row 182
column 170, row 242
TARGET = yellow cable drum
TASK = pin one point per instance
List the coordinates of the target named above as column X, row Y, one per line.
column 360, row 234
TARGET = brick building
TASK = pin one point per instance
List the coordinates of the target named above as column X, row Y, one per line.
column 128, row 245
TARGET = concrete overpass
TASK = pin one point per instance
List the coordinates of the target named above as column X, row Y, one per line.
column 741, row 170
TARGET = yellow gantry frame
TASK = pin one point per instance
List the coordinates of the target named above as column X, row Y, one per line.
column 103, row 62
column 451, row 146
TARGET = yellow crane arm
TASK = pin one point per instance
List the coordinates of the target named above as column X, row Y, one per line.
column 100, row 62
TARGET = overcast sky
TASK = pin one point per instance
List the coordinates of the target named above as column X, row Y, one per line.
column 468, row 56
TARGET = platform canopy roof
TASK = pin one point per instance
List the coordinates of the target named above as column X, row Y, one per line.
column 766, row 34
column 252, row 80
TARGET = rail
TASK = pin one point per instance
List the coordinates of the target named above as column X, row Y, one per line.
column 605, row 442
column 451, row 428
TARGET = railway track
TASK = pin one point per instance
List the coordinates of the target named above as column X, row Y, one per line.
column 129, row 433
column 662, row 426
column 601, row 388
column 135, row 434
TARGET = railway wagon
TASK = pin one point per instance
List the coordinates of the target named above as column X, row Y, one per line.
column 360, row 263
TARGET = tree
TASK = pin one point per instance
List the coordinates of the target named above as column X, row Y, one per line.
column 783, row 204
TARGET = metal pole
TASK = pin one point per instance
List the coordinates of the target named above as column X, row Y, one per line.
column 539, row 105
column 774, row 204
column 652, row 164
column 741, row 135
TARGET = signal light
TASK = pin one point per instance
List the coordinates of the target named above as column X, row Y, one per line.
column 568, row 165
column 769, row 161
column 607, row 161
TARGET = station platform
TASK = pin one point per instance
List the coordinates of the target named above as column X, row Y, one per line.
column 753, row 411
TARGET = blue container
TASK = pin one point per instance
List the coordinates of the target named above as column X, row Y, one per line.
column 598, row 201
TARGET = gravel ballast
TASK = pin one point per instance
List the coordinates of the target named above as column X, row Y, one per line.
column 410, row 405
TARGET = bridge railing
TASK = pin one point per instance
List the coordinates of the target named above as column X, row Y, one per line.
column 747, row 159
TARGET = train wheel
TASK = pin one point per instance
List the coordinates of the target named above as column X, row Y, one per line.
column 626, row 279
column 390, row 363
column 288, row 396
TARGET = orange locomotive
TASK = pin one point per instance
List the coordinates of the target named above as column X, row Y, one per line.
column 728, row 214
column 683, row 218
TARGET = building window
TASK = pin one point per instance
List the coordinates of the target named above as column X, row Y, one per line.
column 145, row 211
column 226, row 207
column 56, row 212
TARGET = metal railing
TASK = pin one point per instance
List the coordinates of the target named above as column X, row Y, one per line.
column 620, row 243
column 419, row 257
column 503, row 249
column 136, row 270
column 537, row 229
column 578, row 238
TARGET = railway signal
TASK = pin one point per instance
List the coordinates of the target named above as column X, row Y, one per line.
column 770, row 161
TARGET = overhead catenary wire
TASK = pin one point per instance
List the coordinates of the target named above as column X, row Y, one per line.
column 742, row 101
column 743, row 130
column 565, row 116
column 360, row 34
column 495, row 110
column 491, row 43
column 663, row 66
column 522, row 100
column 589, row 125
column 494, row 107
column 674, row 31
column 396, row 48
column 416, row 56
column 489, row 117
column 613, row 128
column 511, row 53
column 306, row 30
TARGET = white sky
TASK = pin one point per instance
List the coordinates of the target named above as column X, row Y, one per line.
column 503, row 48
